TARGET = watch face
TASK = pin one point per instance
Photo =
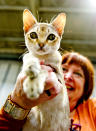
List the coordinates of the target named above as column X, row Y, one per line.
column 14, row 111
column 8, row 106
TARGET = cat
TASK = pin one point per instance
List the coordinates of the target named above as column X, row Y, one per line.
column 43, row 42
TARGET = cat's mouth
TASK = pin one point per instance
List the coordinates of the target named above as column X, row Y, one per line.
column 41, row 49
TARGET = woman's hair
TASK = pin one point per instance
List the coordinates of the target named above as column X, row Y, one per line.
column 86, row 65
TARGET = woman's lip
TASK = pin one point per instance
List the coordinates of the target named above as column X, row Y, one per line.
column 69, row 87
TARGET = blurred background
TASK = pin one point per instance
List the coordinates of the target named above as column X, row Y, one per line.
column 79, row 34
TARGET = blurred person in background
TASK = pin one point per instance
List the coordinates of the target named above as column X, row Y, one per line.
column 79, row 79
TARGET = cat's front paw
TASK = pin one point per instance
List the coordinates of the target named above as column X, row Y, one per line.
column 31, row 68
column 30, row 88
column 32, row 71
column 34, row 87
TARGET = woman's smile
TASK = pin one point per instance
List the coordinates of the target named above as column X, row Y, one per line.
column 74, row 81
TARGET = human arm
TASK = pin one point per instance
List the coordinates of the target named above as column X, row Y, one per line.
column 19, row 98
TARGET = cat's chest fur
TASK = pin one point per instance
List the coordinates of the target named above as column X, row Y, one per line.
column 54, row 59
column 50, row 116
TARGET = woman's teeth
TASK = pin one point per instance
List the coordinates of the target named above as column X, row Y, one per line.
column 69, row 88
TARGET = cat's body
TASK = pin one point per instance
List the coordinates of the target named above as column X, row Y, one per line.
column 43, row 42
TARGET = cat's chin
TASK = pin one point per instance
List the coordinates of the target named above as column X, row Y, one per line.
column 42, row 53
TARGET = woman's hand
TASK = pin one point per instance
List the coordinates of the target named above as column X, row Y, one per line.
column 51, row 90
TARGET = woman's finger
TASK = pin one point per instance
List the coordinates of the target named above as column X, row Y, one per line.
column 47, row 68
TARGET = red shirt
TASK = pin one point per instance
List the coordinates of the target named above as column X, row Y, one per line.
column 9, row 124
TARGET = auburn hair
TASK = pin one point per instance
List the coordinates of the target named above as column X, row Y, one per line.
column 88, row 69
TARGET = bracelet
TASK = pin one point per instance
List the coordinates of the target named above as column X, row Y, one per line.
column 14, row 110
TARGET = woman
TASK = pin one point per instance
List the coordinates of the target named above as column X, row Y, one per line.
column 79, row 79
column 78, row 75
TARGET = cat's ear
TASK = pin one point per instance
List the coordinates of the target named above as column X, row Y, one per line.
column 28, row 20
column 59, row 23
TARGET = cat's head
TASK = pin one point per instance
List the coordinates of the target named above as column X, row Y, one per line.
column 43, row 38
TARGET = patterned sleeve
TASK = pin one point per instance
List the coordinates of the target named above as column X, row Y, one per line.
column 10, row 124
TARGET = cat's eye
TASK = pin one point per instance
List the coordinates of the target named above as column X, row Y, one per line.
column 33, row 35
column 51, row 37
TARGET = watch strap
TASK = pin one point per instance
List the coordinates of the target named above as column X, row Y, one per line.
column 14, row 110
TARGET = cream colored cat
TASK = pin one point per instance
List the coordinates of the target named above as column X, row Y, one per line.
column 43, row 42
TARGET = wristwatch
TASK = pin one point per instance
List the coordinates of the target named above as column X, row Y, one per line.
column 14, row 110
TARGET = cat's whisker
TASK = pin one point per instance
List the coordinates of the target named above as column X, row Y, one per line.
column 37, row 15
column 40, row 19
column 26, row 51
column 22, row 42
column 46, row 21
column 61, row 49
column 21, row 56
column 52, row 18
column 22, row 45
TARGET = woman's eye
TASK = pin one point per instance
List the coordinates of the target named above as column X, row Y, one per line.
column 78, row 74
column 51, row 37
column 64, row 69
column 33, row 35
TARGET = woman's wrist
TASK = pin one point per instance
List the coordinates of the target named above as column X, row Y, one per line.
column 22, row 101
column 15, row 111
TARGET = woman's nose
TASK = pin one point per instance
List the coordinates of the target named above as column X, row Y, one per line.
column 68, row 76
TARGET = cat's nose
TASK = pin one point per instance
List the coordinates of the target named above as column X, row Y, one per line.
column 41, row 45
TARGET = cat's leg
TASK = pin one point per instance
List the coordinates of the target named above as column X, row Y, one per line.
column 31, row 66
column 33, row 85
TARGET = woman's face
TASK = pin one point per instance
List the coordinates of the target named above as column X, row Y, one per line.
column 74, row 81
